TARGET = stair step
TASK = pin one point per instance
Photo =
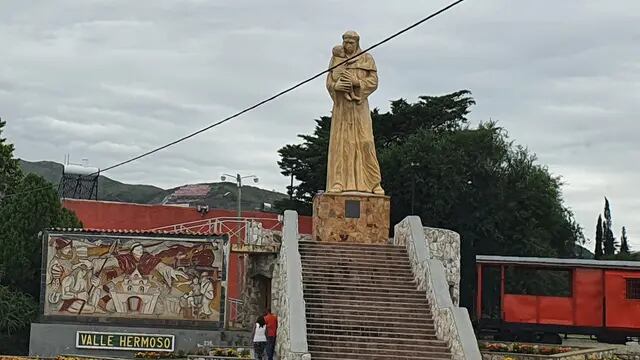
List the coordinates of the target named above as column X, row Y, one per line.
column 365, row 351
column 375, row 343
column 356, row 310
column 320, row 355
column 332, row 261
column 359, row 285
column 378, row 270
column 379, row 306
column 343, row 245
column 320, row 255
column 375, row 293
column 350, row 275
column 355, row 253
column 378, row 339
column 314, row 329
column 330, row 303
column 390, row 284
column 367, row 320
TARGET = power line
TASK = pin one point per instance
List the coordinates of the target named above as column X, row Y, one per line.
column 50, row 186
column 273, row 97
column 287, row 90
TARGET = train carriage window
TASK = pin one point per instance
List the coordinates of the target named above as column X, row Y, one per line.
column 539, row 282
column 633, row 289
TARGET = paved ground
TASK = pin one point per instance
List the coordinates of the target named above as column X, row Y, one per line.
column 629, row 348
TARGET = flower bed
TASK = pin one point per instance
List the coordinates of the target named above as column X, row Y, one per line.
column 215, row 354
column 518, row 348
column 519, row 351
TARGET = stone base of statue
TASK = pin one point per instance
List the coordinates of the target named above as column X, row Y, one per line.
column 353, row 217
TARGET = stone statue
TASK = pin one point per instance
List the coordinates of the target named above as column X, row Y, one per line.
column 352, row 165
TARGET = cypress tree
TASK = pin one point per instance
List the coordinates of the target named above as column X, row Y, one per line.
column 598, row 250
column 624, row 243
column 609, row 241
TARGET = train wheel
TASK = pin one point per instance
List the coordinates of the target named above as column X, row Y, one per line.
column 551, row 338
column 610, row 338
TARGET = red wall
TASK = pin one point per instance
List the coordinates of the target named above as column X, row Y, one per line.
column 116, row 215
column 621, row 312
column 126, row 216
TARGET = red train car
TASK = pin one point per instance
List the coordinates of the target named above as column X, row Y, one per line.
column 536, row 299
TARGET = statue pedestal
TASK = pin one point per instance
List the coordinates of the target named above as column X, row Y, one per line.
column 351, row 217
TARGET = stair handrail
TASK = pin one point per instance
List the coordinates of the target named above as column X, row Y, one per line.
column 452, row 323
column 287, row 295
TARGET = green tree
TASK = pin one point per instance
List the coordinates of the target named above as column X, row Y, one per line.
column 472, row 180
column 598, row 249
column 24, row 216
column 624, row 243
column 308, row 164
column 10, row 172
column 609, row 241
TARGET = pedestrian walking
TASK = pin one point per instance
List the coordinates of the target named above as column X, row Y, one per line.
column 259, row 338
column 272, row 331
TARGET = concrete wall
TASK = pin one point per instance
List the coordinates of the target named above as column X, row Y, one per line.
column 50, row 340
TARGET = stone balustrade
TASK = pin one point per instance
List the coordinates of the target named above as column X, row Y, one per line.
column 452, row 323
column 287, row 295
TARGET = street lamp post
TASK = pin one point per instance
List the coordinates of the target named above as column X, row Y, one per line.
column 239, row 178
column 242, row 261
column 413, row 186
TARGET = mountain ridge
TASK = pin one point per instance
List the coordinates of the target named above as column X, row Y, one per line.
column 221, row 195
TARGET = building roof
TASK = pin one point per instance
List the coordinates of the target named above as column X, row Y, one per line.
column 177, row 233
column 555, row 262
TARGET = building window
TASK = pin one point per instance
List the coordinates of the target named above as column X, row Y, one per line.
column 633, row 289
column 538, row 282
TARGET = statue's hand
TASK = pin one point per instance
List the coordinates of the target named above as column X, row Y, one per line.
column 342, row 85
column 351, row 78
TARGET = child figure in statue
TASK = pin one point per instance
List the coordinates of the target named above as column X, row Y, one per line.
column 337, row 73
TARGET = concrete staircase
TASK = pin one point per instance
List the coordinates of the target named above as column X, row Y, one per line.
column 362, row 303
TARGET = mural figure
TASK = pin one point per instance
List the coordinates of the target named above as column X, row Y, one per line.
column 126, row 277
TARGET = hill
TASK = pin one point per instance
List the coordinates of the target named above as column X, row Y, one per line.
column 581, row 252
column 222, row 195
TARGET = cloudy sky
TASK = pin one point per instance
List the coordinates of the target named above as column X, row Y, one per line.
column 108, row 79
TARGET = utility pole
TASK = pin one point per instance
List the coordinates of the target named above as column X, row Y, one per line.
column 413, row 187
column 239, row 178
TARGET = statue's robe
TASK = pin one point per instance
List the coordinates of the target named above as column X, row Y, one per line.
column 352, row 163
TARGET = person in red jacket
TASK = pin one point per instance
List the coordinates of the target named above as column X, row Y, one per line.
column 272, row 331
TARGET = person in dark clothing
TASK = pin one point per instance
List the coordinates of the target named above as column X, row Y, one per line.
column 272, row 330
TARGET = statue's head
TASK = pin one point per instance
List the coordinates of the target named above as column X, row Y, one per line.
column 351, row 42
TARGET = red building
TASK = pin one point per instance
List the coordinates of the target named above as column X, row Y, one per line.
column 109, row 215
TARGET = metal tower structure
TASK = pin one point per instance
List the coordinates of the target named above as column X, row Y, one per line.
column 79, row 182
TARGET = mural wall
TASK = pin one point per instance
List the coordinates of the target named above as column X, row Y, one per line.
column 133, row 277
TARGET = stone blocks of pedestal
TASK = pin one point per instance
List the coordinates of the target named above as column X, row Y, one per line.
column 351, row 217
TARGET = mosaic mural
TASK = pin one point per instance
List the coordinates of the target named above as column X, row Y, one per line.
column 132, row 277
